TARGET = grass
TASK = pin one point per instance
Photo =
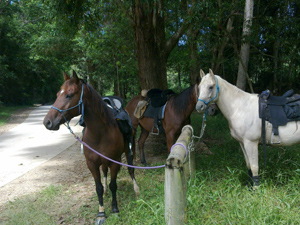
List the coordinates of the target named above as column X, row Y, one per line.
column 217, row 195
column 6, row 112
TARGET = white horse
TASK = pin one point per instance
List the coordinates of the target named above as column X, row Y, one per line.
column 241, row 109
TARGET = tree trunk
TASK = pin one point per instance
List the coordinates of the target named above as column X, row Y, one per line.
column 150, row 45
column 152, row 48
column 276, row 45
column 195, row 68
column 245, row 48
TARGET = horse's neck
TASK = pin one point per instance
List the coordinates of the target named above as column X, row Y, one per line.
column 192, row 101
column 231, row 98
column 97, row 119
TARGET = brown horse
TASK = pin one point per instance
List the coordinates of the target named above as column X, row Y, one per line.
column 101, row 133
column 177, row 114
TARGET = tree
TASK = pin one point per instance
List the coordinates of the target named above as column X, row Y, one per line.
column 245, row 48
column 153, row 47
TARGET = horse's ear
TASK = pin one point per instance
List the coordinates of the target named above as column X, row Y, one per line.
column 202, row 74
column 75, row 75
column 211, row 72
column 66, row 76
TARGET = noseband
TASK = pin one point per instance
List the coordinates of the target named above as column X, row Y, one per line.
column 79, row 105
column 215, row 97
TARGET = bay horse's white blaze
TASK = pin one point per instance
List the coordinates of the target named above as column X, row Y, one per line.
column 241, row 110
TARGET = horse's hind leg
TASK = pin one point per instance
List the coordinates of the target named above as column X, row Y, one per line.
column 99, row 190
column 131, row 173
column 114, row 169
column 141, row 142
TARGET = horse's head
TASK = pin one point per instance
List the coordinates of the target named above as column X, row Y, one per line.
column 68, row 103
column 208, row 91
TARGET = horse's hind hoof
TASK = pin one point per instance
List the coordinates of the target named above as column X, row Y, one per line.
column 100, row 220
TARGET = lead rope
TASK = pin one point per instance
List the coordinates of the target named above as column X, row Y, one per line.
column 191, row 145
column 202, row 128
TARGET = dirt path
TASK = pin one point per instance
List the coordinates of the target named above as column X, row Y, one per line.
column 66, row 168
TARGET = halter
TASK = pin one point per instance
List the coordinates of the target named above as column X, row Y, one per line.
column 217, row 92
column 79, row 105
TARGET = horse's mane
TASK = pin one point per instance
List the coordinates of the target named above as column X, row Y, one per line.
column 181, row 101
column 100, row 107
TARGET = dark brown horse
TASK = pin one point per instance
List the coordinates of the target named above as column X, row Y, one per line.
column 177, row 114
column 101, row 133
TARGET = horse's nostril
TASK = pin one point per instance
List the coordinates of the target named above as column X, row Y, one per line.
column 48, row 124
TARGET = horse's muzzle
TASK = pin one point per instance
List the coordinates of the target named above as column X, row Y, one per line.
column 201, row 107
column 50, row 125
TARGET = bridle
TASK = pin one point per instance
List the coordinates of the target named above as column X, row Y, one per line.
column 214, row 98
column 79, row 105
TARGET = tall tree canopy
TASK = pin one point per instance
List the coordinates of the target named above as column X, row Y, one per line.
column 121, row 47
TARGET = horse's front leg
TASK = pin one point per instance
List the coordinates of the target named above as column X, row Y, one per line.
column 251, row 150
column 105, row 170
column 114, row 169
column 94, row 168
column 250, row 180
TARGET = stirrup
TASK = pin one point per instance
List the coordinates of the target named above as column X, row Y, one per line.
column 278, row 141
column 152, row 131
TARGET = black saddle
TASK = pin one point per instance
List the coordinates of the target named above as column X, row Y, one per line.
column 157, row 99
column 279, row 110
column 123, row 119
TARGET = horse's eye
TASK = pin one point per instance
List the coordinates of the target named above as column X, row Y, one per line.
column 211, row 87
column 68, row 96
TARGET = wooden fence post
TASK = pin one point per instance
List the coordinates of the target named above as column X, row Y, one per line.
column 176, row 172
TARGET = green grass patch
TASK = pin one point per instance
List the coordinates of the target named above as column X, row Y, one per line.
column 32, row 209
column 6, row 112
column 217, row 195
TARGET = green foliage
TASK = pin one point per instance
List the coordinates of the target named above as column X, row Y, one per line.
column 29, row 73
column 6, row 112
column 40, row 39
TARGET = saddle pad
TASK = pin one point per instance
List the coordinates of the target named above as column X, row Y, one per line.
column 279, row 110
column 153, row 112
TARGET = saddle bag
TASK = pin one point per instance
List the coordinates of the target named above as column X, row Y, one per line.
column 140, row 109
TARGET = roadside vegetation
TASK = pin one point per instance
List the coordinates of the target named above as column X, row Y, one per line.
column 7, row 111
column 218, row 195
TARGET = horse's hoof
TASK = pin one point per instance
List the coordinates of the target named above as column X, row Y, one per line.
column 255, row 187
column 115, row 210
column 100, row 220
column 116, row 215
